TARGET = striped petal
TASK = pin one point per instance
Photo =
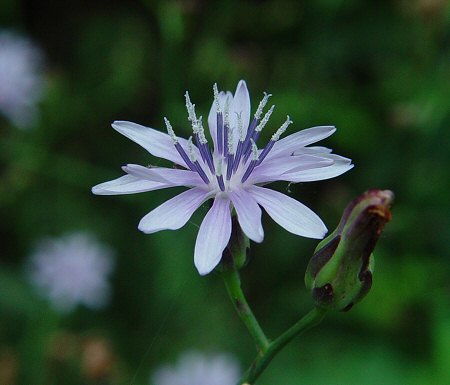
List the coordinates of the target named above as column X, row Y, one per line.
column 296, row 141
column 127, row 184
column 340, row 166
column 213, row 236
column 155, row 142
column 170, row 176
column 249, row 214
column 174, row 213
column 289, row 213
column 240, row 105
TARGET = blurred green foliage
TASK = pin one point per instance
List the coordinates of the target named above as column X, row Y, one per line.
column 379, row 71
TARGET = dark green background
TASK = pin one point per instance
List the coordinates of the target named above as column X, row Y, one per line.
column 379, row 71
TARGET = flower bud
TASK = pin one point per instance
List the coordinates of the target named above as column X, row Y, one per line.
column 340, row 272
column 236, row 254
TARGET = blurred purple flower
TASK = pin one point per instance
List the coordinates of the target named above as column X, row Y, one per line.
column 72, row 270
column 232, row 174
column 21, row 79
column 199, row 369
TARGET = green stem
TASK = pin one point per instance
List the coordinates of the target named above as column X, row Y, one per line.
column 313, row 318
column 233, row 285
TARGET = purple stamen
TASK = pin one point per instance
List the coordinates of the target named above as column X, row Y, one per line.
column 265, row 151
column 238, row 156
column 248, row 152
column 209, row 159
column 249, row 170
column 200, row 146
column 226, row 129
column 193, row 166
column 220, row 181
column 185, row 157
column 230, row 160
column 200, row 172
column 220, row 132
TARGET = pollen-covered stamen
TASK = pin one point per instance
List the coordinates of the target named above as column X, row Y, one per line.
column 190, row 109
column 192, row 155
column 216, row 98
column 170, row 130
column 254, row 123
column 261, row 106
column 274, row 138
column 282, row 129
column 264, row 121
column 252, row 163
column 180, row 149
column 193, row 158
column 197, row 128
column 202, row 142
column 226, row 131
column 256, row 132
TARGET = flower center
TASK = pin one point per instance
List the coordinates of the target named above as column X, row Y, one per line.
column 230, row 164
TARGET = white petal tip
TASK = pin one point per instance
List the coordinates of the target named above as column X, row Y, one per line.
column 95, row 190
column 205, row 266
column 320, row 234
column 242, row 83
column 203, row 273
column 204, row 270
column 98, row 190
column 146, row 230
column 259, row 239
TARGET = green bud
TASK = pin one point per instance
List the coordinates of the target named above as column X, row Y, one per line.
column 236, row 254
column 340, row 272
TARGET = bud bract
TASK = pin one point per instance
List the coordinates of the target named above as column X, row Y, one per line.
column 340, row 272
column 236, row 254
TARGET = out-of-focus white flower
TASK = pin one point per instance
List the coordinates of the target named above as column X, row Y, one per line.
column 21, row 78
column 72, row 270
column 195, row 368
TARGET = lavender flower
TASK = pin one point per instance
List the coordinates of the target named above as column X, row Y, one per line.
column 199, row 369
column 72, row 270
column 20, row 78
column 232, row 173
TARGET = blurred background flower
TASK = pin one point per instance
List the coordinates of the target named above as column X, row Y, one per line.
column 21, row 78
column 199, row 369
column 378, row 71
column 72, row 270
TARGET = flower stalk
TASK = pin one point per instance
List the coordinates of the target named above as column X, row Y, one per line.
column 313, row 318
column 233, row 284
column 266, row 349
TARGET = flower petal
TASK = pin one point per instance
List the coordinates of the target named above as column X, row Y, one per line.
column 127, row 184
column 170, row 176
column 240, row 105
column 174, row 213
column 296, row 141
column 318, row 150
column 275, row 169
column 289, row 213
column 213, row 236
column 249, row 214
column 340, row 166
column 155, row 142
